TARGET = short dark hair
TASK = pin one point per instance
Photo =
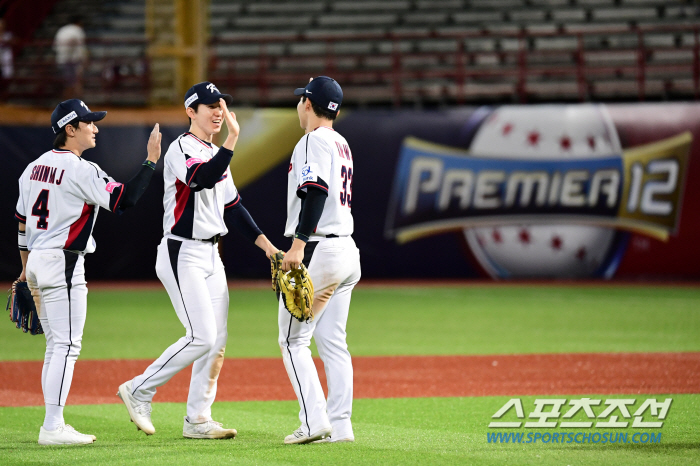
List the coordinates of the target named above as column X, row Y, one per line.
column 321, row 112
column 61, row 138
column 195, row 107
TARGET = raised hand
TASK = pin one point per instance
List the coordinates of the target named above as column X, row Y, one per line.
column 232, row 124
column 154, row 144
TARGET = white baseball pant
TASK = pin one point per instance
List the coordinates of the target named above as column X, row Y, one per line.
column 335, row 270
column 57, row 281
column 194, row 277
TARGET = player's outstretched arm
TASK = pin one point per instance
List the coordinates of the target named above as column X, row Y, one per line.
column 268, row 248
column 237, row 217
column 136, row 186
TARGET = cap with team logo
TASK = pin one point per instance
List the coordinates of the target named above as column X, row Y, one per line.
column 205, row 93
column 71, row 110
column 324, row 92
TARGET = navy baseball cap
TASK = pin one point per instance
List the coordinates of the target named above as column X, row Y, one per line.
column 205, row 93
column 324, row 92
column 71, row 110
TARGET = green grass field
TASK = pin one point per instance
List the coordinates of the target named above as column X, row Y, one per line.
column 383, row 321
column 391, row 431
column 410, row 321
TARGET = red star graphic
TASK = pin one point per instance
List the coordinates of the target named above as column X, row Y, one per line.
column 496, row 235
column 556, row 243
column 591, row 142
column 524, row 236
column 507, row 128
column 533, row 138
column 565, row 142
column 581, row 253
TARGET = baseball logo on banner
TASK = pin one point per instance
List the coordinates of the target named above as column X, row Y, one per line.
column 543, row 191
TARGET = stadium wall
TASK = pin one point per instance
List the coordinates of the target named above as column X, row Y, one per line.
column 429, row 200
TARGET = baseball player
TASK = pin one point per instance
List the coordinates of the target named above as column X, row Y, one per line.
column 201, row 202
column 60, row 194
column 319, row 218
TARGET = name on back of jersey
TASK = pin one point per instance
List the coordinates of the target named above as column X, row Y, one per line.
column 46, row 174
column 343, row 151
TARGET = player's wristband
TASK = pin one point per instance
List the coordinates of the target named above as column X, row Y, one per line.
column 302, row 237
column 22, row 240
column 149, row 164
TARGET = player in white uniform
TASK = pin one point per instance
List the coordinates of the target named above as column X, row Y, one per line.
column 60, row 194
column 319, row 198
column 200, row 202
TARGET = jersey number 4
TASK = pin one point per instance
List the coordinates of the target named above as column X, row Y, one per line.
column 346, row 193
column 41, row 209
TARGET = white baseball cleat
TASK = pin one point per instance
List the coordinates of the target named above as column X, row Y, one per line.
column 139, row 412
column 333, row 439
column 208, row 429
column 300, row 437
column 64, row 435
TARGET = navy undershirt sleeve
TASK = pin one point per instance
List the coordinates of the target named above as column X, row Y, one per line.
column 135, row 187
column 128, row 195
column 239, row 218
column 209, row 173
column 311, row 210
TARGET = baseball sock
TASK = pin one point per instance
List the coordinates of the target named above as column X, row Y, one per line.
column 54, row 417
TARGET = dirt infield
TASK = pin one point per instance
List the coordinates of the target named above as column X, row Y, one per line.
column 390, row 377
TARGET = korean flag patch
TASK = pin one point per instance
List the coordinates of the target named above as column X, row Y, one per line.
column 332, row 106
column 309, row 173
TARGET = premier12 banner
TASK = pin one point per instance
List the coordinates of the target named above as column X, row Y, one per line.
column 438, row 188
column 540, row 191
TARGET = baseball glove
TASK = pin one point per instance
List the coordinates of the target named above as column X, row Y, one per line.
column 23, row 313
column 275, row 267
column 297, row 292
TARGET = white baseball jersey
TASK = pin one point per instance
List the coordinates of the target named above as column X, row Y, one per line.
column 322, row 159
column 193, row 275
column 190, row 210
column 60, row 195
